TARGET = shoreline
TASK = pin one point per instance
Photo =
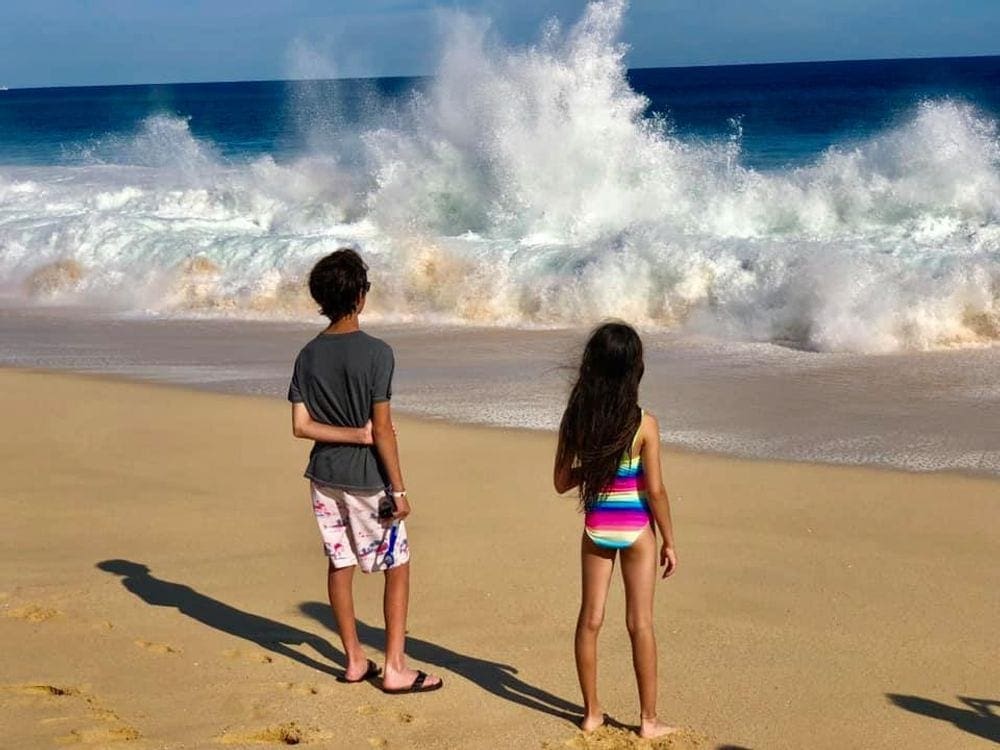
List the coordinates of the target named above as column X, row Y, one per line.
column 814, row 606
column 916, row 412
column 426, row 419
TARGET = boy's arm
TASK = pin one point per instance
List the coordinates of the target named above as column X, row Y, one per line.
column 384, row 437
column 656, row 493
column 304, row 426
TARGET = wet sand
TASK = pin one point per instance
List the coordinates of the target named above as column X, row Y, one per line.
column 920, row 411
column 814, row 606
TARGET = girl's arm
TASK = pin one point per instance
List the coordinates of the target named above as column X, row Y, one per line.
column 304, row 426
column 656, row 493
column 564, row 475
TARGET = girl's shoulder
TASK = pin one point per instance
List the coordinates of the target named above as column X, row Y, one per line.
column 649, row 427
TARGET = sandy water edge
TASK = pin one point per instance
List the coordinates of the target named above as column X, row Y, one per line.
column 922, row 411
column 418, row 417
column 806, row 594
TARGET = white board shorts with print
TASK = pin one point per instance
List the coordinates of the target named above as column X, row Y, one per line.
column 352, row 532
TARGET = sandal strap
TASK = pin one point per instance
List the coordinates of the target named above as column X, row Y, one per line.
column 418, row 683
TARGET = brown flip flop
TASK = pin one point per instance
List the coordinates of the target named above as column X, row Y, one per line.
column 417, row 686
column 370, row 673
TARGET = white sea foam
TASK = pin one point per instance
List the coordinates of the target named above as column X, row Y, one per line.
column 524, row 187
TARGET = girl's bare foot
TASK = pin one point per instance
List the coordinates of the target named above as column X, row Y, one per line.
column 592, row 721
column 650, row 729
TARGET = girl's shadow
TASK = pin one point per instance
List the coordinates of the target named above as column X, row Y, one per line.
column 980, row 719
column 493, row 677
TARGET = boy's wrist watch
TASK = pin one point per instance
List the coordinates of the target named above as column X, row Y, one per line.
column 399, row 493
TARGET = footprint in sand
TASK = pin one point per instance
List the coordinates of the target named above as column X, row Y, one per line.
column 158, row 648
column 72, row 705
column 100, row 735
column 51, row 690
column 257, row 657
column 618, row 738
column 300, row 689
column 287, row 733
column 34, row 613
column 403, row 717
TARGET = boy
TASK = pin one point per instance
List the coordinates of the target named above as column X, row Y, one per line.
column 340, row 390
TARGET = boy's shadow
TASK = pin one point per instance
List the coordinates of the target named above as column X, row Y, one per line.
column 268, row 634
column 981, row 719
column 493, row 677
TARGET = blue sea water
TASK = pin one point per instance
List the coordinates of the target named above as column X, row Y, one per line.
column 849, row 206
column 785, row 114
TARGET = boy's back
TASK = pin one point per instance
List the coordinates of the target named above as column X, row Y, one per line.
column 339, row 376
column 340, row 393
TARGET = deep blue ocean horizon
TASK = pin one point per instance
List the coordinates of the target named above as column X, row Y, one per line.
column 426, row 76
column 783, row 114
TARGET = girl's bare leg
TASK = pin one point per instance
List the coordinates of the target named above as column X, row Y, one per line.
column 639, row 574
column 597, row 565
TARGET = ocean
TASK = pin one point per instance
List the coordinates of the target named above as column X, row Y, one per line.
column 838, row 217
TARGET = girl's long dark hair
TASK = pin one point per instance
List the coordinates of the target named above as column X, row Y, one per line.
column 603, row 413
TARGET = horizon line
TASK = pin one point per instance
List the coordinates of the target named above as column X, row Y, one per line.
column 431, row 75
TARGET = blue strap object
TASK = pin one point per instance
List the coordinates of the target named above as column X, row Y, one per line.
column 389, row 558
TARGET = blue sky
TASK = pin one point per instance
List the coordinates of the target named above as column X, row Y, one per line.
column 69, row 42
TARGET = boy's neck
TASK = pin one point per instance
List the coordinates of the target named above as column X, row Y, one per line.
column 347, row 324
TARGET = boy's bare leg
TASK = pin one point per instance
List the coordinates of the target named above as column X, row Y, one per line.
column 395, row 605
column 340, row 586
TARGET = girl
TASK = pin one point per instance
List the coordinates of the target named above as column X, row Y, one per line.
column 610, row 450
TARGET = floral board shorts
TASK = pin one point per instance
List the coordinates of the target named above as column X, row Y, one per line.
column 352, row 532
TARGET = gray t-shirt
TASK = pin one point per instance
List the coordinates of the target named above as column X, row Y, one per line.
column 339, row 376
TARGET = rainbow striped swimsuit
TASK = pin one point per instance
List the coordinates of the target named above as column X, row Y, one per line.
column 621, row 512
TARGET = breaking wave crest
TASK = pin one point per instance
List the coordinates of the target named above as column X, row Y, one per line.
column 528, row 187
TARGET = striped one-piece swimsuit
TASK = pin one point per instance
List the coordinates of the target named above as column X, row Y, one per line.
column 620, row 513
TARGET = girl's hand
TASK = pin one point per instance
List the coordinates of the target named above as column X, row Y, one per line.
column 668, row 559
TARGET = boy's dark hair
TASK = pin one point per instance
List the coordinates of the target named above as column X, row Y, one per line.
column 337, row 282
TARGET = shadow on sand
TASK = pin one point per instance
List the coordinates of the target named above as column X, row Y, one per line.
column 271, row 635
column 980, row 718
column 493, row 677
column 279, row 638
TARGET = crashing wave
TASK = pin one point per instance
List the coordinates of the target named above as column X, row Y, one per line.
column 527, row 187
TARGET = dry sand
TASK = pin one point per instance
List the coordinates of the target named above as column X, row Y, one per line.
column 806, row 596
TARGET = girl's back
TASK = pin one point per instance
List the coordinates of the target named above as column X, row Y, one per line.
column 620, row 512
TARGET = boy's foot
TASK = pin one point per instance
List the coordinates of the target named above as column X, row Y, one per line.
column 593, row 721
column 409, row 681
column 650, row 729
column 368, row 671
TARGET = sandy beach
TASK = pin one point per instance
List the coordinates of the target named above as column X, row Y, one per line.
column 162, row 584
